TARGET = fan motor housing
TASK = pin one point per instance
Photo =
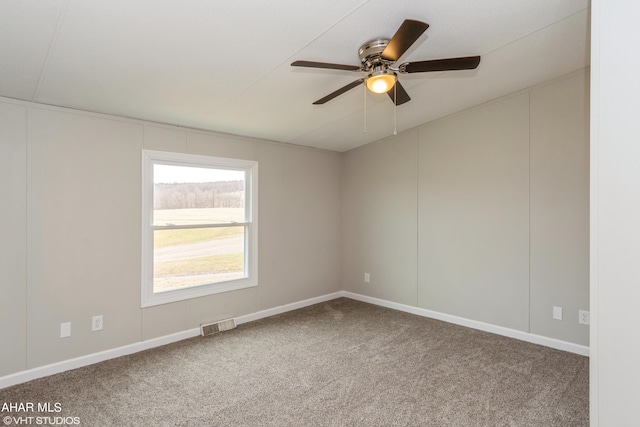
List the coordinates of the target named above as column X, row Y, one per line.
column 370, row 53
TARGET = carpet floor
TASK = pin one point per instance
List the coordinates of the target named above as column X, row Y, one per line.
column 339, row 363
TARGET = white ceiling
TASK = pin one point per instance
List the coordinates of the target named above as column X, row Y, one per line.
column 224, row 65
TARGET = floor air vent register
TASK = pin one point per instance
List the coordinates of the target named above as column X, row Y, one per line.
column 215, row 327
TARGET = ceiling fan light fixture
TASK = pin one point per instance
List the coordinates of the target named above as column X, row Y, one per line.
column 379, row 58
column 381, row 81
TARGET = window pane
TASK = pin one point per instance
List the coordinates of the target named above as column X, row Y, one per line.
column 197, row 256
column 185, row 195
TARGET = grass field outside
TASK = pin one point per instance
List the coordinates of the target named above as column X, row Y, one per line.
column 200, row 266
column 184, row 269
column 197, row 271
column 198, row 216
column 162, row 284
column 185, row 236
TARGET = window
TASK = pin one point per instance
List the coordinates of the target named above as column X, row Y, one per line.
column 199, row 229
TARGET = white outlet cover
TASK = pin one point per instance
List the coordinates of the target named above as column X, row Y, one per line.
column 97, row 323
column 65, row 330
column 557, row 313
column 584, row 317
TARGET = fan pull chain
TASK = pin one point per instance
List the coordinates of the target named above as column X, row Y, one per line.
column 365, row 109
column 395, row 109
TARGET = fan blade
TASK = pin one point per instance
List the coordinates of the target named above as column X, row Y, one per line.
column 339, row 92
column 398, row 95
column 402, row 40
column 463, row 63
column 311, row 64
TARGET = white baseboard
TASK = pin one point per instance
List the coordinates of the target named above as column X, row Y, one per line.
column 90, row 359
column 474, row 324
column 287, row 307
column 78, row 362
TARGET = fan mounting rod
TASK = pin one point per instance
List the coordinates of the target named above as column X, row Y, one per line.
column 370, row 53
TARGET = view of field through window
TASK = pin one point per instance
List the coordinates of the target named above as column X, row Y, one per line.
column 199, row 230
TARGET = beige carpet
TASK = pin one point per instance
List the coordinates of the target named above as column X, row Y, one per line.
column 339, row 363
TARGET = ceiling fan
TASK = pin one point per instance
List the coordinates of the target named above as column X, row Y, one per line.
column 378, row 58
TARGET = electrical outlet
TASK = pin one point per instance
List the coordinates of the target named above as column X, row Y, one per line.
column 557, row 313
column 367, row 278
column 584, row 317
column 96, row 323
column 65, row 330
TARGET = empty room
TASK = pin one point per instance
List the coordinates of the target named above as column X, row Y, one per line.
column 365, row 213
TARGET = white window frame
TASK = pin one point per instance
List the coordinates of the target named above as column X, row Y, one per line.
column 151, row 158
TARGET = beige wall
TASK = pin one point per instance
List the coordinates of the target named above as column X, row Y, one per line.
column 481, row 215
column 559, row 240
column 78, row 193
column 379, row 219
column 13, row 238
column 474, row 214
